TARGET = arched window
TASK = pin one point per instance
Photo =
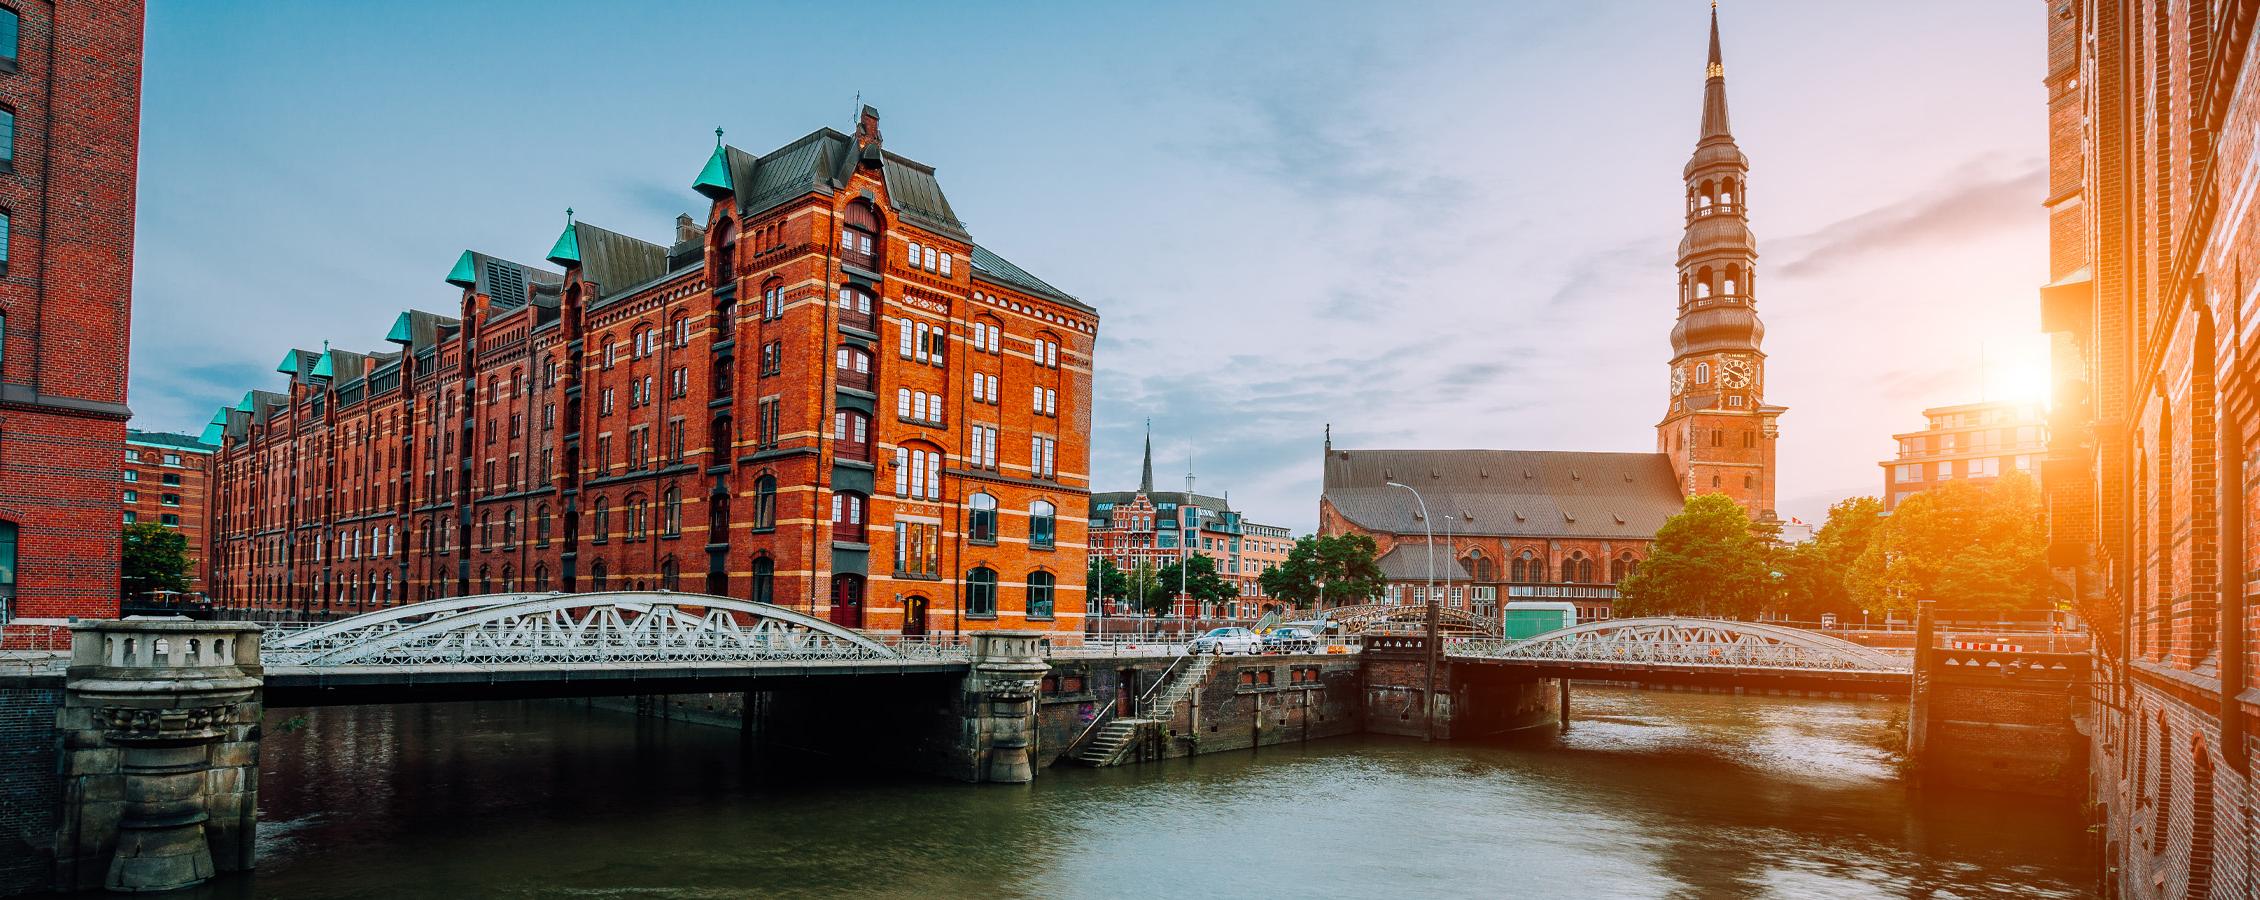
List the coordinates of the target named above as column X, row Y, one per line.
column 859, row 233
column 847, row 515
column 680, row 330
column 1040, row 589
column 854, row 367
column 1703, row 283
column 1733, row 278
column 541, row 524
column 596, row 575
column 1702, row 373
column 1043, row 521
column 509, row 583
column 1527, row 568
column 1623, row 566
column 486, row 530
column 1584, row 570
column 509, row 528
column 1480, row 567
column 673, row 523
column 717, row 517
column 601, row 530
column 1708, row 196
column 1726, row 192
column 670, row 575
column 765, row 502
column 764, row 580
column 486, row 581
column 541, row 577
column 634, row 510
column 981, row 519
column 981, row 592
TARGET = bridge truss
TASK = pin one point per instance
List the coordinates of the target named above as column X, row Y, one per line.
column 552, row 629
column 1412, row 617
column 1687, row 642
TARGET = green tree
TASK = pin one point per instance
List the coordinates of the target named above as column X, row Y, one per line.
column 1814, row 573
column 1708, row 560
column 1966, row 545
column 1143, row 586
column 1107, row 580
column 1198, row 576
column 1333, row 570
column 155, row 559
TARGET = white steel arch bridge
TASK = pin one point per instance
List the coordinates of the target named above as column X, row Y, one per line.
column 553, row 631
column 1682, row 643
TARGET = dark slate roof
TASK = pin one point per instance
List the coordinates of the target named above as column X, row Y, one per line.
column 617, row 262
column 917, row 196
column 1517, row 493
column 1409, row 562
column 424, row 328
column 997, row 268
column 805, row 165
column 168, row 439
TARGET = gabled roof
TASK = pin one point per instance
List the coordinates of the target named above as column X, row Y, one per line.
column 1514, row 493
column 614, row 262
column 917, row 195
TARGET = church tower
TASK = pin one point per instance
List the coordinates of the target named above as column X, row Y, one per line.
column 1719, row 430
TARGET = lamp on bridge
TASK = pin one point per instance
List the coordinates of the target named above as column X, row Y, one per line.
column 1428, row 699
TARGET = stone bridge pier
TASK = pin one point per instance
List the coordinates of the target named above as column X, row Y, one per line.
column 160, row 745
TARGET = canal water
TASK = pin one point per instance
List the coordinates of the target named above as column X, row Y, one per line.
column 1649, row 794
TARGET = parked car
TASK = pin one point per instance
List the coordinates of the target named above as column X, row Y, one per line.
column 1227, row 640
column 1290, row 639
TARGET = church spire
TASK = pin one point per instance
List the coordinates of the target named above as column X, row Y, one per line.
column 1146, row 480
column 1714, row 87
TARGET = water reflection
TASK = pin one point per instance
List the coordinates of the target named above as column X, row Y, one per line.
column 1648, row 795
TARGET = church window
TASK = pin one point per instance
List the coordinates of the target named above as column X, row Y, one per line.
column 1716, row 481
column 1702, row 373
column 1718, row 437
column 1703, row 283
column 1750, row 481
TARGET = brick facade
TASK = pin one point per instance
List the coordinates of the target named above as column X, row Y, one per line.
column 1971, row 442
column 72, row 81
column 2152, row 121
column 165, row 480
column 826, row 397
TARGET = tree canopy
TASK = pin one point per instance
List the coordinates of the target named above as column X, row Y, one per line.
column 1709, row 559
column 1966, row 545
column 155, row 559
column 1337, row 569
column 1814, row 573
column 1198, row 577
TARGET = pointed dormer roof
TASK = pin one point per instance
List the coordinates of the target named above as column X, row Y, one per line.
column 1714, row 88
column 1146, row 478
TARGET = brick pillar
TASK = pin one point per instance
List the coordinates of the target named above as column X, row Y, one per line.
column 161, row 758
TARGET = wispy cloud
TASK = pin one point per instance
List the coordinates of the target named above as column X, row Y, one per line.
column 1974, row 201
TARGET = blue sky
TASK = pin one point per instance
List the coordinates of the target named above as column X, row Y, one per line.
column 1431, row 225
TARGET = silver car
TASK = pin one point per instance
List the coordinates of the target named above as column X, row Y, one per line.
column 1230, row 639
column 1290, row 639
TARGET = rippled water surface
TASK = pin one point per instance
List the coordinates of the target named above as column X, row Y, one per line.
column 1647, row 795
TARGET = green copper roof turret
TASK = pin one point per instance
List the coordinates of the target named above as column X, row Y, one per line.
column 714, row 180
column 219, row 417
column 567, row 250
column 401, row 333
column 465, row 274
column 245, row 404
column 322, row 367
column 211, row 435
column 288, row 366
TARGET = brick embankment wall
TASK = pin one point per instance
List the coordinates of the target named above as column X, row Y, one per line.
column 2007, row 721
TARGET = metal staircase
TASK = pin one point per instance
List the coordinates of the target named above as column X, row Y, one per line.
column 1109, row 739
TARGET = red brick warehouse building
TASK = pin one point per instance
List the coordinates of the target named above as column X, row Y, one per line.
column 166, row 480
column 1567, row 526
column 2149, row 474
column 827, row 397
column 70, row 126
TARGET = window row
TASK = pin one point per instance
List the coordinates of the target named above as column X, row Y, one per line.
column 918, row 406
column 929, row 259
column 981, row 593
column 981, row 521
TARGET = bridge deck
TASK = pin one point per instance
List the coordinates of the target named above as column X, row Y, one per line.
column 341, row 685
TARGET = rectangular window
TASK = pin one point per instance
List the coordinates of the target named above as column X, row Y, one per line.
column 133, row 496
column 934, row 405
column 902, row 472
column 1945, row 471
column 130, row 517
column 906, row 338
column 170, row 519
column 1051, row 402
column 902, row 403
column 7, row 138
column 8, row 37
column 132, row 475
column 946, row 263
column 1040, row 457
column 918, row 473
column 933, row 476
column 170, row 479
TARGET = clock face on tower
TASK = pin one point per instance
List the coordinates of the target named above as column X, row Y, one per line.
column 1736, row 373
column 1678, row 380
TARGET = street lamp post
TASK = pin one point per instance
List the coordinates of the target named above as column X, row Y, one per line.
column 1428, row 700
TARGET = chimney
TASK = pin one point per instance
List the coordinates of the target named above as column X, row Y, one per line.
column 686, row 230
column 867, row 129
